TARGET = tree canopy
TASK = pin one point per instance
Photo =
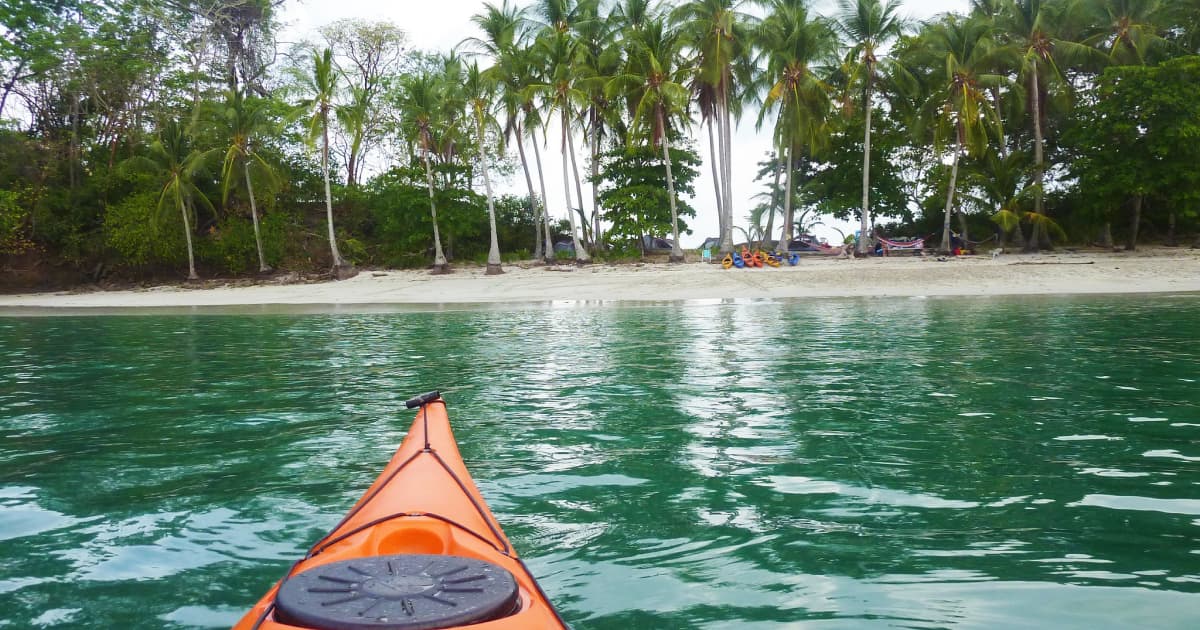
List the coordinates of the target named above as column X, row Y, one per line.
column 1047, row 121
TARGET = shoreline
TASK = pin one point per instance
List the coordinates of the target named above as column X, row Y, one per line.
column 1153, row 270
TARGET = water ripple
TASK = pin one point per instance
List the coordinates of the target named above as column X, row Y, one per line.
column 721, row 464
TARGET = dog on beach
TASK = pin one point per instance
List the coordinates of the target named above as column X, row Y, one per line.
column 996, row 252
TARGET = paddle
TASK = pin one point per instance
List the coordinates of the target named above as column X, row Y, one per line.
column 423, row 399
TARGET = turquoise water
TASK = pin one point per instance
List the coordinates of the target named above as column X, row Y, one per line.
column 833, row 464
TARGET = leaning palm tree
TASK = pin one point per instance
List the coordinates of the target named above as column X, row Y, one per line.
column 478, row 90
column 653, row 80
column 320, row 87
column 868, row 25
column 246, row 120
column 793, row 43
column 961, row 104
column 421, row 104
column 178, row 165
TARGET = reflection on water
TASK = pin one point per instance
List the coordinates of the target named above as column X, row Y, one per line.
column 845, row 463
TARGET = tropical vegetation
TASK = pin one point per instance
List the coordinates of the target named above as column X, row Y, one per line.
column 182, row 138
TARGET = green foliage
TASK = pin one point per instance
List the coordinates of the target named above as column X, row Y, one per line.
column 1141, row 137
column 85, row 86
column 138, row 229
column 514, row 226
column 14, row 220
column 399, row 203
column 836, row 183
column 352, row 249
column 230, row 243
column 633, row 191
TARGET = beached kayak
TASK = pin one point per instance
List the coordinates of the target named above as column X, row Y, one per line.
column 419, row 551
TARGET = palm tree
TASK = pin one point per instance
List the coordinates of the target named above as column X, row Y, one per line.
column 1128, row 31
column 246, row 119
column 963, row 47
column 320, row 86
column 599, row 58
column 653, row 80
column 479, row 98
column 869, row 25
column 999, row 184
column 178, row 165
column 529, row 121
column 1032, row 30
column 719, row 37
column 421, row 104
column 558, row 50
column 505, row 34
column 792, row 43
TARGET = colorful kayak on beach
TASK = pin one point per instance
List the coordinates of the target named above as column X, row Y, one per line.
column 420, row 550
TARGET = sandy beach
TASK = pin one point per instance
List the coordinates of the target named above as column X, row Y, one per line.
column 1159, row 270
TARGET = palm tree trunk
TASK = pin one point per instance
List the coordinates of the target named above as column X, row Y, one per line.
column 533, row 209
column 727, row 186
column 537, row 156
column 187, row 233
column 712, row 161
column 583, row 223
column 337, row 256
column 1000, row 122
column 1106, row 235
column 950, row 190
column 1135, row 224
column 726, row 227
column 865, row 225
column 723, row 147
column 262, row 261
column 581, row 255
column 493, row 261
column 1034, row 242
column 779, row 247
column 1018, row 237
column 962, row 226
column 786, row 236
column 439, row 259
column 676, row 250
column 595, row 176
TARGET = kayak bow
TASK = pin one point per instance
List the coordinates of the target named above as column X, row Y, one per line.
column 419, row 551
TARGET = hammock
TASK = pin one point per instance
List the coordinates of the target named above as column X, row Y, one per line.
column 913, row 245
column 971, row 244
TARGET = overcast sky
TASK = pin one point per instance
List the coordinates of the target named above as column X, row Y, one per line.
column 438, row 25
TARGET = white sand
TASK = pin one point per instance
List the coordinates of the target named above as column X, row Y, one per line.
column 1150, row 271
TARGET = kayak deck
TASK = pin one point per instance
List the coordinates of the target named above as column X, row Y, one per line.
column 423, row 504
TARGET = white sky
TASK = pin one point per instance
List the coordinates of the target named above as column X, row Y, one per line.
column 438, row 25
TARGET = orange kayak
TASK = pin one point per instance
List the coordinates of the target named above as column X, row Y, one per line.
column 420, row 550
